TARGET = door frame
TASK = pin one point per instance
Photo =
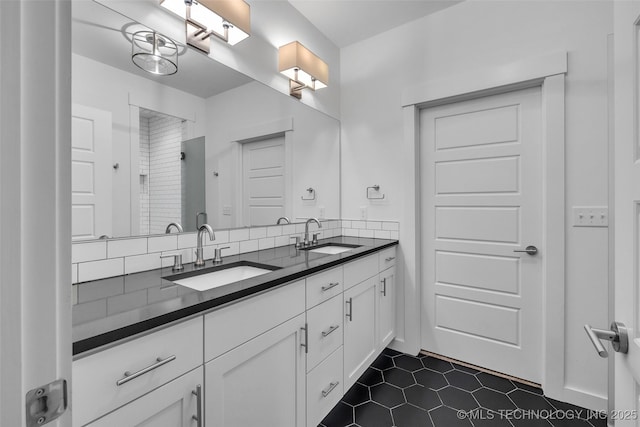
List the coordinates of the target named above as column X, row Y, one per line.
column 547, row 72
column 255, row 133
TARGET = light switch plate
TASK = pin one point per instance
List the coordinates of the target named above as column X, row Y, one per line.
column 590, row 216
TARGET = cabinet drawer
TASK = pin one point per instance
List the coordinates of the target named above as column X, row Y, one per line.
column 325, row 330
column 323, row 286
column 237, row 323
column 95, row 391
column 358, row 271
column 387, row 258
column 324, row 388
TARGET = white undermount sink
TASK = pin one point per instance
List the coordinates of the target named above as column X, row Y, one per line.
column 206, row 281
column 330, row 249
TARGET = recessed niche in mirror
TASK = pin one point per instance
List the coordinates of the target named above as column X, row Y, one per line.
column 205, row 145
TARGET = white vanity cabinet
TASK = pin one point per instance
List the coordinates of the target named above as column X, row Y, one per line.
column 175, row 404
column 112, row 378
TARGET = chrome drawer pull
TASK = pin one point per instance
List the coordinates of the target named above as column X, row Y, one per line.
column 128, row 376
column 329, row 389
column 349, row 315
column 384, row 287
column 328, row 331
column 391, row 258
column 198, row 394
column 329, row 286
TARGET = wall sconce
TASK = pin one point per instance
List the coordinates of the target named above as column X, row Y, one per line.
column 304, row 69
column 154, row 53
column 229, row 20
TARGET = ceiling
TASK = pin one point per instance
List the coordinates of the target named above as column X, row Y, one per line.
column 345, row 22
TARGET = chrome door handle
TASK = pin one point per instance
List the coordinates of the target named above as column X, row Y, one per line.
column 198, row 394
column 128, row 376
column 306, row 338
column 350, row 314
column 531, row 250
column 618, row 336
column 384, row 287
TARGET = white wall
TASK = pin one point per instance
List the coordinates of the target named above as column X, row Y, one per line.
column 314, row 159
column 100, row 86
column 477, row 35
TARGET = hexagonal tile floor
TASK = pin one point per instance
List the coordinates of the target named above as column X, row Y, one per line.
column 400, row 390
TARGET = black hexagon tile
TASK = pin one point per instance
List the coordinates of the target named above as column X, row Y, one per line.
column 432, row 379
column 387, row 395
column 408, row 363
column 457, row 399
column 411, row 416
column 463, row 380
column 422, row 397
column 357, row 395
column 399, row 377
column 372, row 414
column 437, row 364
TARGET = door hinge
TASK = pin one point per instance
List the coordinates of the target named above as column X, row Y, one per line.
column 46, row 403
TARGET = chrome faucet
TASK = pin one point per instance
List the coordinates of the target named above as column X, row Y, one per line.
column 283, row 219
column 173, row 224
column 306, row 230
column 199, row 251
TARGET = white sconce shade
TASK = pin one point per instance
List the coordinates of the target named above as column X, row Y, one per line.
column 154, row 53
column 303, row 67
column 229, row 20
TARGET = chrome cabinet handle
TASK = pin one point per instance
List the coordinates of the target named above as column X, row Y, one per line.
column 306, row 338
column 531, row 250
column 391, row 258
column 329, row 389
column 329, row 331
column 384, row 287
column 329, row 286
column 350, row 313
column 198, row 394
column 128, row 376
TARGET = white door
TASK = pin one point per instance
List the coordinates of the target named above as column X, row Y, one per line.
column 263, row 181
column 627, row 209
column 480, row 162
column 91, row 172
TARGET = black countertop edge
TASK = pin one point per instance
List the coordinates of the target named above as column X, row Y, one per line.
column 143, row 326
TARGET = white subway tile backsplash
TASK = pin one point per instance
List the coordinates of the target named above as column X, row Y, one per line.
column 350, row 232
column 266, row 243
column 394, row 235
column 358, row 224
column 126, row 247
column 239, row 235
column 163, row 243
column 346, row 223
column 188, row 240
column 135, row 264
column 234, row 249
column 257, row 233
column 300, row 228
column 94, row 270
column 374, row 225
column 288, row 229
column 222, row 236
column 248, row 246
column 282, row 241
column 391, row 226
column 381, row 234
column 91, row 251
column 274, row 231
column 365, row 233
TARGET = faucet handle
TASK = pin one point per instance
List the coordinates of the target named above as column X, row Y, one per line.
column 298, row 244
column 315, row 239
column 217, row 254
column 177, row 261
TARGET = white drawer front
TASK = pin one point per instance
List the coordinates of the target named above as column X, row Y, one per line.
column 358, row 271
column 325, row 330
column 95, row 391
column 324, row 388
column 387, row 258
column 322, row 286
column 237, row 323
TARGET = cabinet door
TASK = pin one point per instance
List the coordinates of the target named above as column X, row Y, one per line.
column 360, row 326
column 387, row 307
column 261, row 382
column 175, row 404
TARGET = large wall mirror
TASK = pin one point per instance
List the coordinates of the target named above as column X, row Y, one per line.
column 204, row 145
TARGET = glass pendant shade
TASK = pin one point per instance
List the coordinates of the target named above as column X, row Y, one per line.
column 154, row 53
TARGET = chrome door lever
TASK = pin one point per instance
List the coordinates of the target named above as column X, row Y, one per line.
column 618, row 336
column 531, row 250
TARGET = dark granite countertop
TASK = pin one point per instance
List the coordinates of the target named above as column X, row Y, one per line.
column 180, row 302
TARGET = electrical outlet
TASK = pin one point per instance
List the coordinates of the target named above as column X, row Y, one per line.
column 590, row 216
column 363, row 212
column 226, row 210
